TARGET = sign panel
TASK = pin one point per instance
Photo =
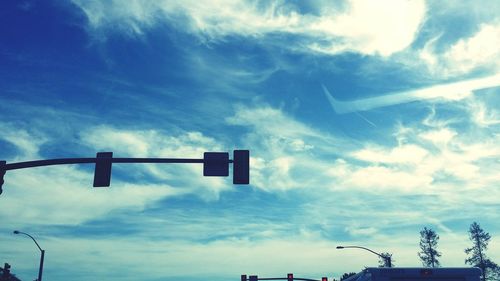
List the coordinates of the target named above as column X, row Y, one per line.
column 216, row 164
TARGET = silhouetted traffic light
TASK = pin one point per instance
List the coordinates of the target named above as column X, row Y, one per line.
column 324, row 278
column 243, row 277
column 289, row 277
column 102, row 173
column 215, row 164
column 253, row 278
column 241, row 167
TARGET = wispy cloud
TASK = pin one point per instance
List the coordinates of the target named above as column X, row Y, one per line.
column 365, row 27
column 442, row 92
column 477, row 52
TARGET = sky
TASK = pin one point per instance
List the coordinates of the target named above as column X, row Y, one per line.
column 366, row 121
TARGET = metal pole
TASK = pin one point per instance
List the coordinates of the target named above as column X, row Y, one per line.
column 42, row 256
column 40, row 270
column 387, row 259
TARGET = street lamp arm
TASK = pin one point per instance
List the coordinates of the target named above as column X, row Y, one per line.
column 359, row 247
column 20, row 232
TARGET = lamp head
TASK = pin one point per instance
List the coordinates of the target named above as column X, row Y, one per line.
column 16, row 231
column 340, row 247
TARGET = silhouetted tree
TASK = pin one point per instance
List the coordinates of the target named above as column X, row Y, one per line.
column 347, row 275
column 386, row 260
column 6, row 275
column 495, row 274
column 480, row 240
column 428, row 243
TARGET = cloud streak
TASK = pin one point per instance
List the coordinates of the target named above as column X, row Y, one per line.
column 443, row 92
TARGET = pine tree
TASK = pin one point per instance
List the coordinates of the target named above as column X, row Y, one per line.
column 347, row 275
column 428, row 244
column 480, row 240
column 386, row 260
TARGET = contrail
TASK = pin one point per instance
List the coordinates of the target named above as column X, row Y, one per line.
column 451, row 91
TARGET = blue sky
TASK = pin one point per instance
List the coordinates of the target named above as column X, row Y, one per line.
column 405, row 136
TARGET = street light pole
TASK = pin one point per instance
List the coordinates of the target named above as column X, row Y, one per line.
column 387, row 259
column 40, row 269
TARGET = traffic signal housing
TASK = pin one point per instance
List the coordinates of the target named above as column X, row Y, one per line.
column 241, row 167
column 102, row 173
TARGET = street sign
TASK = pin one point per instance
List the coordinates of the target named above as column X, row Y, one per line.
column 216, row 164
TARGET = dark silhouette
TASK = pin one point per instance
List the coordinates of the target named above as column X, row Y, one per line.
column 477, row 258
column 386, row 257
column 386, row 260
column 289, row 277
column 417, row 274
column 2, row 174
column 42, row 253
column 428, row 244
column 347, row 275
column 215, row 164
column 6, row 275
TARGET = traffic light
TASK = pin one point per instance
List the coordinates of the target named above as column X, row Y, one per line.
column 241, row 167
column 289, row 277
column 243, row 277
column 324, row 278
column 102, row 173
column 253, row 278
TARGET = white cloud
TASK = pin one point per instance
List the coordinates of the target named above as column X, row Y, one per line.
column 357, row 230
column 440, row 137
column 427, row 159
column 380, row 178
column 365, row 27
column 283, row 149
column 382, row 27
column 149, row 143
column 27, row 143
column 401, row 154
column 273, row 174
column 276, row 132
column 442, row 157
column 479, row 51
column 30, row 197
column 482, row 115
